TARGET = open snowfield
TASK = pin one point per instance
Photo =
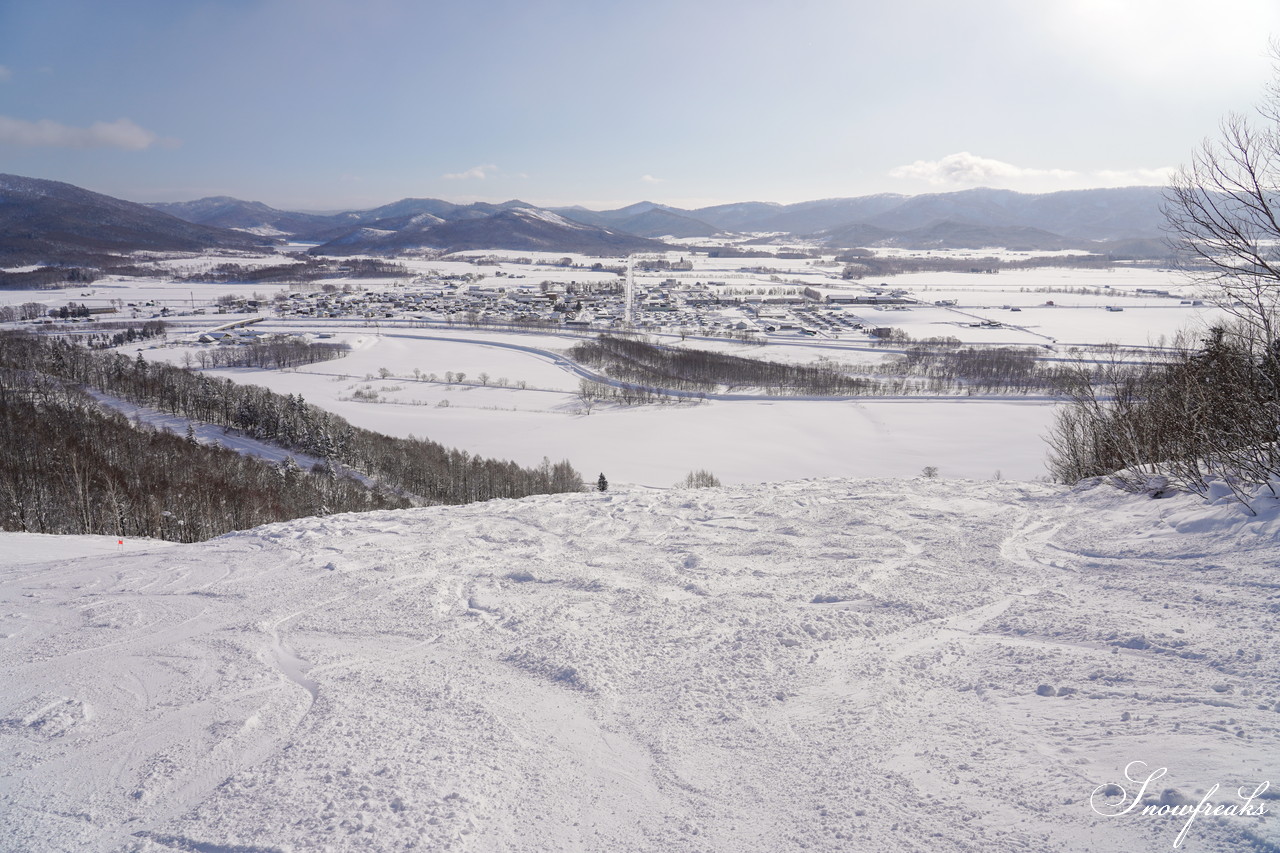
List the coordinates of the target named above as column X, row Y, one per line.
column 838, row 665
column 741, row 441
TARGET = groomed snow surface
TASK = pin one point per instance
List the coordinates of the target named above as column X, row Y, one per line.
column 851, row 665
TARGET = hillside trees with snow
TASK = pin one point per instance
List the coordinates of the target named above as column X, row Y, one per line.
column 1208, row 412
column 423, row 470
column 1212, row 411
column 69, row 467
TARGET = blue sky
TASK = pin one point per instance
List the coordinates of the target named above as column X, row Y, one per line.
column 326, row 104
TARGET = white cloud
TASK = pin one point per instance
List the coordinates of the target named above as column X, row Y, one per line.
column 120, row 133
column 650, row 179
column 965, row 169
column 476, row 172
column 5, row 74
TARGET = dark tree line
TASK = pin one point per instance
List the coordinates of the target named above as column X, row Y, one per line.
column 421, row 470
column 935, row 366
column 112, row 335
column 69, row 467
column 47, row 278
column 309, row 269
column 865, row 263
column 71, row 309
column 270, row 354
column 635, row 361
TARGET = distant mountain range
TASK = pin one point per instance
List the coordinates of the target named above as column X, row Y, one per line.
column 975, row 218
column 1104, row 219
column 50, row 222
column 420, row 223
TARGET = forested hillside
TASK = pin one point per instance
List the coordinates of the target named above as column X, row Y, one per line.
column 67, row 467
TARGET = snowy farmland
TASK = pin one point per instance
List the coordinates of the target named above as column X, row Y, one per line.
column 518, row 397
column 832, row 665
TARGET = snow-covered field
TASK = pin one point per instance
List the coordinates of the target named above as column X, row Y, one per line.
column 839, row 665
column 741, row 441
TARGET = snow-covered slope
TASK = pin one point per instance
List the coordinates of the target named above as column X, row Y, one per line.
column 819, row 665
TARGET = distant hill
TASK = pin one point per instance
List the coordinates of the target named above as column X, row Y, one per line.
column 807, row 217
column 739, row 216
column 1101, row 214
column 964, row 235
column 643, row 219
column 662, row 222
column 665, row 223
column 252, row 216
column 852, row 236
column 446, row 210
column 49, row 222
column 522, row 228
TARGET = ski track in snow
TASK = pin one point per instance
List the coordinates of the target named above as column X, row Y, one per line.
column 819, row 665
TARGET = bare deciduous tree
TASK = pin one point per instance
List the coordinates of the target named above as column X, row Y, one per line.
column 1211, row 409
column 700, row 479
column 1223, row 215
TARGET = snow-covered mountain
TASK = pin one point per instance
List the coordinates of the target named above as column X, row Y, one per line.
column 50, row 222
column 643, row 219
column 252, row 216
column 825, row 665
column 520, row 228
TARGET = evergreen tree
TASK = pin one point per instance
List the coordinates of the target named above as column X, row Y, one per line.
column 602, row 484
